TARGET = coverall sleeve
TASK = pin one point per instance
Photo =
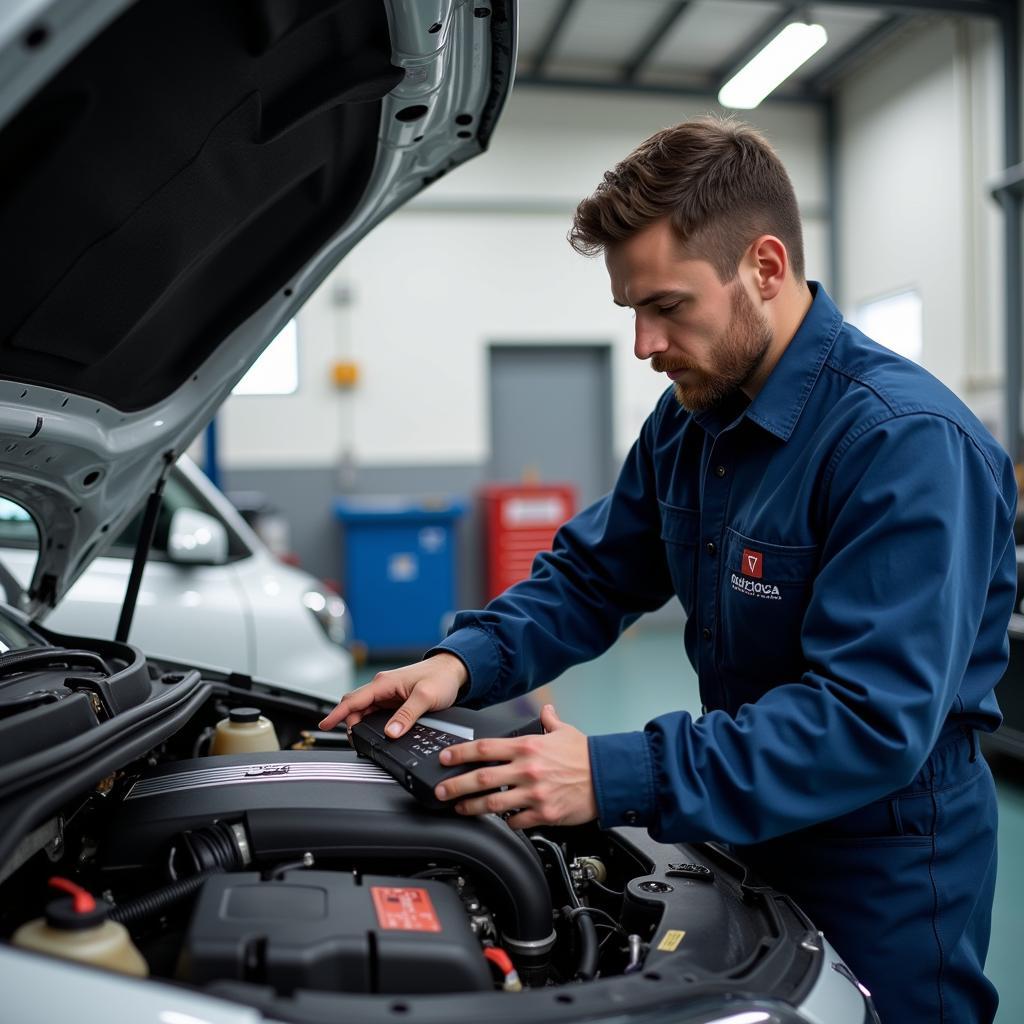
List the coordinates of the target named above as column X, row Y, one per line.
column 915, row 583
column 607, row 566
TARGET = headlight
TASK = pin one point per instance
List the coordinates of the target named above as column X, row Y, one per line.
column 331, row 614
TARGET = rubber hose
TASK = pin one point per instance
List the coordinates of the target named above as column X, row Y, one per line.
column 154, row 902
column 586, row 932
column 508, row 871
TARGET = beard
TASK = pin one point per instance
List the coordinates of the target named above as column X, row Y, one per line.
column 738, row 353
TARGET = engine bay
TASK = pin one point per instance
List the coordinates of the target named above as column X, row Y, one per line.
column 290, row 879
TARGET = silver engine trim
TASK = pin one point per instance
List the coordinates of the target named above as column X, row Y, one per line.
column 247, row 774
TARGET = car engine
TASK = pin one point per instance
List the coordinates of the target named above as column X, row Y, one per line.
column 289, row 879
column 295, row 927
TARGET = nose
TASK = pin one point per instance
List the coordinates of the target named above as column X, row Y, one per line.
column 648, row 338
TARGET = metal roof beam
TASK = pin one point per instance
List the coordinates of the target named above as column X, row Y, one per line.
column 976, row 8
column 752, row 47
column 557, row 27
column 640, row 55
column 860, row 47
column 615, row 85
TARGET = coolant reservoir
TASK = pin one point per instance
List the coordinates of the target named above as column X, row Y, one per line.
column 78, row 929
column 244, row 731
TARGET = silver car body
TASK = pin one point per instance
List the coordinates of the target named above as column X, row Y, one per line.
column 250, row 614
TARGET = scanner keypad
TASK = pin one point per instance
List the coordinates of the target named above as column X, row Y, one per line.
column 427, row 742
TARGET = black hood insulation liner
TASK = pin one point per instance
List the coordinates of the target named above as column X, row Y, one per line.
column 174, row 176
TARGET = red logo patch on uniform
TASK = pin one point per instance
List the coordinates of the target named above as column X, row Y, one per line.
column 753, row 564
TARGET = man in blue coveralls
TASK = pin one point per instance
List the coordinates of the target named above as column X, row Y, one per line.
column 838, row 528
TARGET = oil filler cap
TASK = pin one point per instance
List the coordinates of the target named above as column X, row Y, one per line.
column 655, row 887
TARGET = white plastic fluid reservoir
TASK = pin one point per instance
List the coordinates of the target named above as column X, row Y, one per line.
column 77, row 928
column 244, row 731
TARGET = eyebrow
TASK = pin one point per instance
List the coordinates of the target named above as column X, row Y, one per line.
column 655, row 297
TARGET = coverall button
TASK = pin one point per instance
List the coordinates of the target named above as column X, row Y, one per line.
column 631, row 817
column 719, row 470
column 711, row 547
column 706, row 633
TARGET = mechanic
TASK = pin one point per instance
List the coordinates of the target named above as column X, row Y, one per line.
column 838, row 528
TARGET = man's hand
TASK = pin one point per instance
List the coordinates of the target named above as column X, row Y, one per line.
column 548, row 777
column 430, row 685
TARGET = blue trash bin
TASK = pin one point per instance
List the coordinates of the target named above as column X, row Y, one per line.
column 400, row 570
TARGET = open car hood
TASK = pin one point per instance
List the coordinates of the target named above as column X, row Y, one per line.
column 175, row 180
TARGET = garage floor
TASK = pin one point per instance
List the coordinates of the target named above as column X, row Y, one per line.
column 646, row 674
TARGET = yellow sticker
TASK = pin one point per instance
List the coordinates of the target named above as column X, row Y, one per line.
column 670, row 941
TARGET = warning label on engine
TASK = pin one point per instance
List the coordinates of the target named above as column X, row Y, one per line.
column 670, row 941
column 404, row 910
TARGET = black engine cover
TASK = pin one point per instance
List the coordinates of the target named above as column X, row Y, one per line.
column 335, row 805
column 332, row 932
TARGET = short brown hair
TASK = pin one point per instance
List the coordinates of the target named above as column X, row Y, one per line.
column 717, row 179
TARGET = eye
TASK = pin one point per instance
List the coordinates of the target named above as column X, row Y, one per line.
column 663, row 310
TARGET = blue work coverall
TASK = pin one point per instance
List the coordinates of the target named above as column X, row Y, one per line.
column 843, row 549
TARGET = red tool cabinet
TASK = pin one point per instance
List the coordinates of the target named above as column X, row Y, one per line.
column 520, row 520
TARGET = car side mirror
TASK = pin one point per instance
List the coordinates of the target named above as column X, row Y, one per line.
column 197, row 539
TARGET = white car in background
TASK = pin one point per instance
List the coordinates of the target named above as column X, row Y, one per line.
column 212, row 593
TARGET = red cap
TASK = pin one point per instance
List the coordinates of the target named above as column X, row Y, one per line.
column 500, row 959
column 83, row 900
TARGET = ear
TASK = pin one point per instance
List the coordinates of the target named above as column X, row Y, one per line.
column 769, row 262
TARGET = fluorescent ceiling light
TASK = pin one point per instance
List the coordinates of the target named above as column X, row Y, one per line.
column 794, row 45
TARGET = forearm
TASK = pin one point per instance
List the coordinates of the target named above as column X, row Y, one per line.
column 607, row 566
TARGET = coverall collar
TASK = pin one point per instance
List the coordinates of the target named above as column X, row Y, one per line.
column 778, row 405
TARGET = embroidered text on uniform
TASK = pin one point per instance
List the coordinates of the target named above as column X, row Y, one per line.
column 766, row 591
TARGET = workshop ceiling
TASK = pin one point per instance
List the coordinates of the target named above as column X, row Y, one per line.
column 696, row 45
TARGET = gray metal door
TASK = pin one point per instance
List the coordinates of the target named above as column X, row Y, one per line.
column 551, row 415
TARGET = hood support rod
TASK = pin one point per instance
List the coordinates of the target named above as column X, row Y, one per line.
column 142, row 546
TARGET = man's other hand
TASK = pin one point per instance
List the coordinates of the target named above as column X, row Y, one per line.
column 430, row 685
column 547, row 777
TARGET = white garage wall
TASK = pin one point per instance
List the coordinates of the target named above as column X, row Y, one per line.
column 481, row 257
column 919, row 130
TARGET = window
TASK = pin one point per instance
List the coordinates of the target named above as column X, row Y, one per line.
column 17, row 527
column 18, row 530
column 178, row 493
column 894, row 321
column 276, row 372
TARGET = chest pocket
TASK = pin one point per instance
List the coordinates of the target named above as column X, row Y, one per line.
column 680, row 529
column 765, row 589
